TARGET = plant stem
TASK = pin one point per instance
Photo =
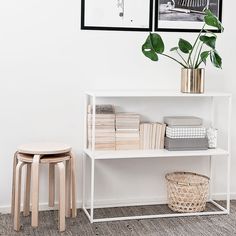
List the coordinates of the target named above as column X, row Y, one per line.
column 183, row 58
column 196, row 52
column 174, row 60
column 200, row 50
column 201, row 61
column 190, row 54
column 191, row 63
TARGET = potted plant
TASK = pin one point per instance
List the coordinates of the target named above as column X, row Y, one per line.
column 191, row 56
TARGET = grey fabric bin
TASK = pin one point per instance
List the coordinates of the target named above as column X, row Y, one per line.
column 184, row 144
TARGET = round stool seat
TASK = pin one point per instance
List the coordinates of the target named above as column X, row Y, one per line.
column 44, row 148
column 44, row 160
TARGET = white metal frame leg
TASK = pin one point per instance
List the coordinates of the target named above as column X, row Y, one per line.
column 92, row 190
column 228, row 184
column 84, row 189
column 229, row 150
column 223, row 209
column 210, row 175
column 83, row 179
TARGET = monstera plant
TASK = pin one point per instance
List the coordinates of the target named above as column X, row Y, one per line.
column 191, row 56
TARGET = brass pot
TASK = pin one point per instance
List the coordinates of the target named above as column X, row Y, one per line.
column 192, row 80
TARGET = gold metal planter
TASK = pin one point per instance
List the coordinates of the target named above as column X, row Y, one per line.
column 192, row 80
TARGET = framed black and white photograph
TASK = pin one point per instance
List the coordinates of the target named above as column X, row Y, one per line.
column 184, row 15
column 122, row 15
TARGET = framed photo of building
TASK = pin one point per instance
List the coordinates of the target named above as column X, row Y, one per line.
column 122, row 15
column 184, row 15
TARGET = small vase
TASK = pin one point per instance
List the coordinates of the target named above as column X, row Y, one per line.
column 192, row 80
column 212, row 137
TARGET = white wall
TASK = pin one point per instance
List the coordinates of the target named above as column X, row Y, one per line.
column 46, row 63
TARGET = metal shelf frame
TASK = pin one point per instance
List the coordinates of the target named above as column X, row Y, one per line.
column 93, row 155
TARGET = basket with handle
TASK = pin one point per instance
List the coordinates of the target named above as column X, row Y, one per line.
column 187, row 191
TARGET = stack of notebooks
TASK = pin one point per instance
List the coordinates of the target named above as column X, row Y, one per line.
column 127, row 131
column 185, row 133
column 152, row 135
column 104, row 127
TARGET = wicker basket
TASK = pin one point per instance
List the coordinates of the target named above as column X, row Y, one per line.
column 187, row 192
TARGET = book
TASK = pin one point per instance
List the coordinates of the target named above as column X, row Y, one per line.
column 127, row 121
column 101, row 109
column 127, row 140
column 104, row 127
column 152, row 135
column 163, row 131
column 127, row 131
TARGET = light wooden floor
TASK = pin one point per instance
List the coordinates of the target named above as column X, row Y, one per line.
column 224, row 225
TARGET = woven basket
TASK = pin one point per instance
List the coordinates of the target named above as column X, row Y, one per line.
column 187, row 192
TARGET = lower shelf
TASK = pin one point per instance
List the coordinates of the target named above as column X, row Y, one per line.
column 149, row 212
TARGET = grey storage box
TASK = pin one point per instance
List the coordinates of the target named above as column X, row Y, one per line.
column 185, row 132
column 183, row 121
column 185, row 144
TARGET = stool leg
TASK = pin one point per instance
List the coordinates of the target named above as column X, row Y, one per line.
column 17, row 195
column 68, row 188
column 35, row 190
column 51, row 182
column 26, row 210
column 73, row 184
column 15, row 161
column 61, row 167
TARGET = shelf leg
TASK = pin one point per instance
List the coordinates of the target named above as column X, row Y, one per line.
column 92, row 190
column 86, row 103
column 83, row 178
column 213, row 112
column 210, row 175
column 228, row 184
column 229, row 150
column 94, row 124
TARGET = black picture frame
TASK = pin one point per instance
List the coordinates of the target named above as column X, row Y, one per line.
column 171, row 29
column 94, row 27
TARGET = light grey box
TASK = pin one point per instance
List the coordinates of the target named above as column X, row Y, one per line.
column 183, row 121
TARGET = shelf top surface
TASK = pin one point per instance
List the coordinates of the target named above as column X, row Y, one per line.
column 125, row 154
column 151, row 93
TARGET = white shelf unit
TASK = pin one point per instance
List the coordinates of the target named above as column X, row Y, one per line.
column 93, row 155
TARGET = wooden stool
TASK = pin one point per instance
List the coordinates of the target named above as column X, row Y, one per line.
column 52, row 154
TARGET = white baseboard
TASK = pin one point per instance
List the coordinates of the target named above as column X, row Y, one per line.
column 118, row 203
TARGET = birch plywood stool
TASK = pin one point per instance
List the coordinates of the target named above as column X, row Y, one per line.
column 32, row 156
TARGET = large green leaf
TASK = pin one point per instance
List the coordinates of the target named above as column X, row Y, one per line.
column 157, row 43
column 209, row 41
column 216, row 59
column 150, row 54
column 148, row 50
column 204, row 55
column 148, row 43
column 212, row 20
column 185, row 46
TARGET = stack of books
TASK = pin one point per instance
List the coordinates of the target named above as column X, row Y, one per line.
column 104, row 127
column 185, row 133
column 152, row 135
column 127, row 131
